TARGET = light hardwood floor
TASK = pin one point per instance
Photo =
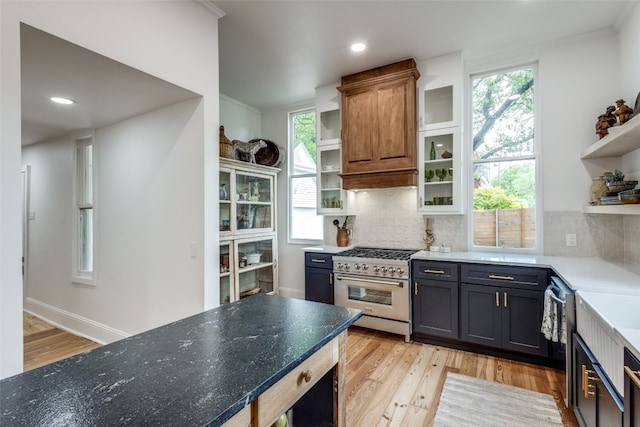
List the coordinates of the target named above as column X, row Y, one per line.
column 389, row 382
column 44, row 343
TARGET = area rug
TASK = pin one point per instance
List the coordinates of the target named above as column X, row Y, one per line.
column 467, row 401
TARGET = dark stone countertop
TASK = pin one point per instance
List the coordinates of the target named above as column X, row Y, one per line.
column 197, row 371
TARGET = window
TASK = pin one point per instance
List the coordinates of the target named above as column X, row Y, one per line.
column 504, row 160
column 304, row 223
column 84, row 212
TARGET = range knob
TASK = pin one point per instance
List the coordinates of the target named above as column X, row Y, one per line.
column 391, row 271
column 383, row 270
column 339, row 266
column 376, row 268
column 400, row 271
column 365, row 267
column 347, row 266
column 357, row 266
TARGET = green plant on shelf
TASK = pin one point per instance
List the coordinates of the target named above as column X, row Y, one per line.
column 616, row 176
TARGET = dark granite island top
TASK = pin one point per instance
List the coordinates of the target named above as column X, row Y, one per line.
column 197, row 371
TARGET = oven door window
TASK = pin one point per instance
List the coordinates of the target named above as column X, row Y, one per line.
column 358, row 293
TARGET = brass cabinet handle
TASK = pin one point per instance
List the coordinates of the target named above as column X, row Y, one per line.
column 505, row 300
column 494, row 276
column 633, row 375
column 434, row 271
column 497, row 299
column 330, row 279
column 318, row 260
column 586, row 387
column 306, row 375
column 415, row 288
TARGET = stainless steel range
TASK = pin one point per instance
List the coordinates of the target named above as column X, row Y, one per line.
column 375, row 281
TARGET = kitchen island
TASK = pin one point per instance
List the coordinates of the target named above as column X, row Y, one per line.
column 238, row 364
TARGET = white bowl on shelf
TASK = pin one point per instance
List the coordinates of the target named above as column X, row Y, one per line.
column 253, row 258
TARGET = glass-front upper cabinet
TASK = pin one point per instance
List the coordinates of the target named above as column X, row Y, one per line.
column 332, row 199
column 224, row 200
column 440, row 172
column 247, row 198
column 438, row 107
column 256, row 272
column 440, row 92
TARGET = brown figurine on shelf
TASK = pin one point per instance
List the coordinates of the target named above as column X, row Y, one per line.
column 605, row 121
column 624, row 112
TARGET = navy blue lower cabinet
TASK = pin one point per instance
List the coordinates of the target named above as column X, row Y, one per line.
column 631, row 390
column 318, row 277
column 435, row 308
column 435, row 294
column 505, row 318
column 596, row 401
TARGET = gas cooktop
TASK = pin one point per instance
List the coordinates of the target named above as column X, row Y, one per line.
column 377, row 253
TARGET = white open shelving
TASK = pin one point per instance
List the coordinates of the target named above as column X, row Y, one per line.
column 620, row 141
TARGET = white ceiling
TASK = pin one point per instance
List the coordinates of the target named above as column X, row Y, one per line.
column 274, row 53
column 105, row 91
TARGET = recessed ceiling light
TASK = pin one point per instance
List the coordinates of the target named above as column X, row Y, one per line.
column 358, row 47
column 60, row 100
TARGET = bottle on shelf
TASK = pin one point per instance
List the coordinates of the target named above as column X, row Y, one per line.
column 432, row 153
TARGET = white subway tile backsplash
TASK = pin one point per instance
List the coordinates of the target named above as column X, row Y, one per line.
column 389, row 218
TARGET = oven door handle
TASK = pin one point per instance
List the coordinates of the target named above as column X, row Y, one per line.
column 365, row 280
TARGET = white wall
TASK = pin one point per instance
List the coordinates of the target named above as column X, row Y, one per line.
column 240, row 120
column 172, row 40
column 629, row 53
column 148, row 207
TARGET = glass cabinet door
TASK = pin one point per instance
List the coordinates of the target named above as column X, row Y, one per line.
column 332, row 199
column 253, row 195
column 226, row 267
column 440, row 171
column 225, row 202
column 330, row 184
column 256, row 266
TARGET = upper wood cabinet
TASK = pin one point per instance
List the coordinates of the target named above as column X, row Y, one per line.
column 379, row 127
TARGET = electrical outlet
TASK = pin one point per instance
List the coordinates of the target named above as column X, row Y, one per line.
column 571, row 239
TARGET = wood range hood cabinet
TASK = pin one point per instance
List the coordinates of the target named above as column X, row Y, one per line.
column 379, row 146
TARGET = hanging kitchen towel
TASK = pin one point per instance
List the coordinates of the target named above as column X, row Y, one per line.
column 549, row 317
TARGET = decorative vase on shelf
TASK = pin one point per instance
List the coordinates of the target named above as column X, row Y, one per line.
column 598, row 188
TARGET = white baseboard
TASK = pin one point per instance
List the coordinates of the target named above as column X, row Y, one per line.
column 291, row 293
column 73, row 323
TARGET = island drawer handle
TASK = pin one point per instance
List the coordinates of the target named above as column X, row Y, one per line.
column 318, row 260
column 494, row 276
column 633, row 375
column 306, row 376
column 434, row 271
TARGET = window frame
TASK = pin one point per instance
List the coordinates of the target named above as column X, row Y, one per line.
column 79, row 275
column 291, row 176
column 488, row 70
